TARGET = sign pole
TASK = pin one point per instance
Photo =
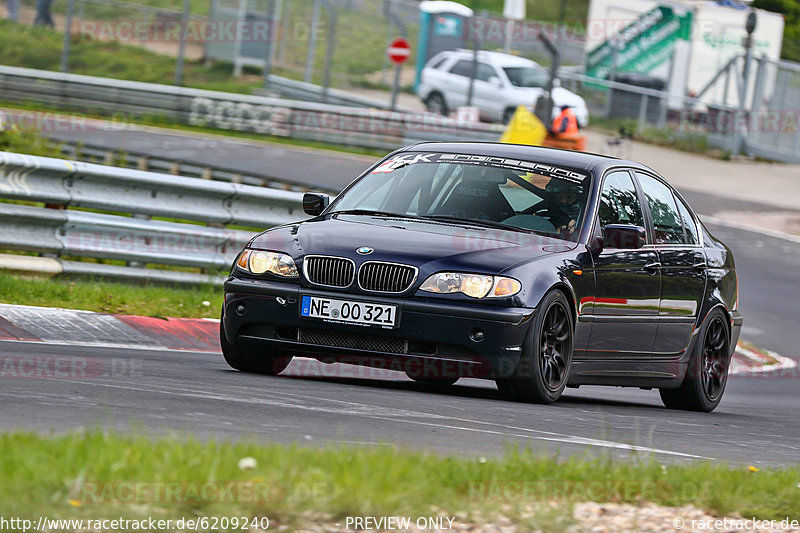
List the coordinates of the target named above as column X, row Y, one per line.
column 395, row 86
column 399, row 51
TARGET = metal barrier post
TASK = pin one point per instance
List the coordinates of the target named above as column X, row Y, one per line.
column 182, row 44
column 270, row 37
column 312, row 42
column 67, row 36
column 664, row 107
column 237, row 45
column 612, row 73
column 643, row 112
column 326, row 75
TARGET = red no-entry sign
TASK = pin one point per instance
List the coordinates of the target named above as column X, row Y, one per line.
column 399, row 50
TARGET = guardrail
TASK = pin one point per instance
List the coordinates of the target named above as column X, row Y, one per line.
column 371, row 128
column 310, row 92
column 175, row 165
column 134, row 241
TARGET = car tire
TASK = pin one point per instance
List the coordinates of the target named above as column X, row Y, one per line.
column 435, row 103
column 443, row 381
column 707, row 373
column 252, row 361
column 543, row 369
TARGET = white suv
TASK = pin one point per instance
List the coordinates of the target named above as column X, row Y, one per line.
column 502, row 82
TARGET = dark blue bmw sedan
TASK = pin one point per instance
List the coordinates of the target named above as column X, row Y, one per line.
column 534, row 267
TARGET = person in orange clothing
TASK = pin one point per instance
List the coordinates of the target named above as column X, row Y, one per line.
column 565, row 125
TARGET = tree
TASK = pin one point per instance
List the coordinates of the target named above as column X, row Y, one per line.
column 790, row 9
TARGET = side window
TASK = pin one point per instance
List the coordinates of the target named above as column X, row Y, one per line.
column 688, row 223
column 484, row 72
column 438, row 63
column 619, row 203
column 667, row 225
column 462, row 68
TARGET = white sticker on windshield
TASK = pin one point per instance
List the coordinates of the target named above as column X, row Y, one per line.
column 401, row 161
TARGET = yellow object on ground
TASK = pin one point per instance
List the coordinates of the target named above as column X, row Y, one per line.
column 524, row 128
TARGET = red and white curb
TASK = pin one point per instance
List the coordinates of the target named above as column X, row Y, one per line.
column 85, row 328
column 52, row 325
column 751, row 360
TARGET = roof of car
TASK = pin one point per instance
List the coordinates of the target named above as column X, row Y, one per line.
column 497, row 57
column 594, row 163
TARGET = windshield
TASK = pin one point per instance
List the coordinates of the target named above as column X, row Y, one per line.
column 526, row 76
column 518, row 195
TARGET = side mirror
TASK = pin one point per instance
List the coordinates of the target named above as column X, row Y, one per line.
column 494, row 80
column 595, row 245
column 624, row 236
column 315, row 203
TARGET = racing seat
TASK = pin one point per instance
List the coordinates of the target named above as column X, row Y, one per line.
column 478, row 195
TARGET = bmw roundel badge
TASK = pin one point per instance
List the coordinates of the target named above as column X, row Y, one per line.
column 364, row 250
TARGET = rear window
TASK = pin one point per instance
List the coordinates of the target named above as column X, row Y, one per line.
column 438, row 63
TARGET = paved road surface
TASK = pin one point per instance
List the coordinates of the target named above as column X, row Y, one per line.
column 197, row 392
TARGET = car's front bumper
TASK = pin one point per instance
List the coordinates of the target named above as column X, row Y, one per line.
column 432, row 339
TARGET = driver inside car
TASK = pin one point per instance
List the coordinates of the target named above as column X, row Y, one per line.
column 564, row 205
column 562, row 200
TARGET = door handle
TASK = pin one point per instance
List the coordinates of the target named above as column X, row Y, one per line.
column 700, row 266
column 653, row 267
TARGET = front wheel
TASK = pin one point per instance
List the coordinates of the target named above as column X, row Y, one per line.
column 248, row 360
column 707, row 375
column 543, row 370
column 436, row 104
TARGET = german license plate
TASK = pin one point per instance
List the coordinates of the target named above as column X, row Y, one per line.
column 349, row 311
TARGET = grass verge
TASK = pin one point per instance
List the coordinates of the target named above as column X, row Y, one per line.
column 92, row 475
column 110, row 297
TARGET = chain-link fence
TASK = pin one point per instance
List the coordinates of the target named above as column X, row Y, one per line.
column 336, row 42
column 750, row 109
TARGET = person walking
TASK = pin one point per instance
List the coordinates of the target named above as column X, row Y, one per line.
column 13, row 10
column 565, row 125
column 43, row 17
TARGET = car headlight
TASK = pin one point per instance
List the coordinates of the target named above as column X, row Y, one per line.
column 260, row 262
column 474, row 285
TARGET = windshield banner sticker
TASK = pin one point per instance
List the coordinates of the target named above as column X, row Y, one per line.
column 513, row 164
column 400, row 161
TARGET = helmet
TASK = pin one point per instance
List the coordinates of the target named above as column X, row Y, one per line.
column 556, row 186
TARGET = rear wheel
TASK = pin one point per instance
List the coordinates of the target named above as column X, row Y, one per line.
column 256, row 361
column 436, row 104
column 543, row 369
column 707, row 375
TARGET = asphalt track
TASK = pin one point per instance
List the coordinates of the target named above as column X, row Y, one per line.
column 162, row 391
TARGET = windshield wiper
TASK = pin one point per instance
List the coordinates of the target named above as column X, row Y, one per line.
column 372, row 212
column 438, row 218
column 477, row 222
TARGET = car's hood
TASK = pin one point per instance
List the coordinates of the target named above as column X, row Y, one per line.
column 562, row 96
column 432, row 246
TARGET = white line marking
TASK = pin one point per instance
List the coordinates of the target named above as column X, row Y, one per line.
column 393, row 415
column 750, row 227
